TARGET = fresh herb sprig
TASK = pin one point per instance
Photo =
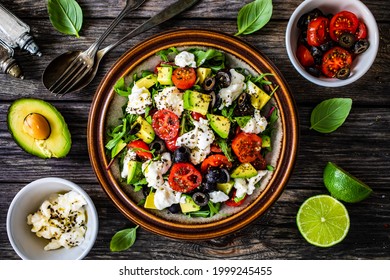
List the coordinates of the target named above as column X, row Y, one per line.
column 253, row 16
column 123, row 239
column 66, row 16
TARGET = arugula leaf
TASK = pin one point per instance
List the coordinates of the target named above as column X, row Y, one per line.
column 330, row 114
column 242, row 121
column 210, row 58
column 123, row 240
column 228, row 112
column 253, row 16
column 226, row 149
column 121, row 88
column 214, row 208
column 164, row 54
column 66, row 16
column 116, row 137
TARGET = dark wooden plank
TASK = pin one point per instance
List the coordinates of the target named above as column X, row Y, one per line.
column 370, row 90
column 205, row 9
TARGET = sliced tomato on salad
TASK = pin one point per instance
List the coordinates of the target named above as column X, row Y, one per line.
column 361, row 32
column 141, row 149
column 197, row 116
column 343, row 22
column 166, row 124
column 184, row 77
column 217, row 160
column 184, row 177
column 246, row 146
column 235, row 201
column 334, row 60
column 317, row 31
column 171, row 144
column 304, row 56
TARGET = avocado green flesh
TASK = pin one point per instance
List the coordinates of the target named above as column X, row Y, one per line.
column 59, row 141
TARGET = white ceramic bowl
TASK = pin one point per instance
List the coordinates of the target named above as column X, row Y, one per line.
column 28, row 200
column 361, row 63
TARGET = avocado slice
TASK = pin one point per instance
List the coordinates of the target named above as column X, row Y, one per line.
column 220, row 124
column 146, row 132
column 244, row 170
column 225, row 187
column 39, row 128
column 266, row 141
column 258, row 97
column 147, row 81
column 196, row 101
column 135, row 172
column 149, row 201
column 164, row 75
column 189, row 205
column 202, row 73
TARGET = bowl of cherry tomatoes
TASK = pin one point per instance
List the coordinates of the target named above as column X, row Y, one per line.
column 332, row 43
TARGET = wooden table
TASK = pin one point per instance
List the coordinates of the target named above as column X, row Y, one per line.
column 361, row 145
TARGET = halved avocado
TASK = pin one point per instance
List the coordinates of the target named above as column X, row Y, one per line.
column 38, row 128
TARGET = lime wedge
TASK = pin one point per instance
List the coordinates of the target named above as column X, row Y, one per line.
column 323, row 220
column 343, row 185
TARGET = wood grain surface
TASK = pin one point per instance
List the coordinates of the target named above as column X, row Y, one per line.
column 361, row 145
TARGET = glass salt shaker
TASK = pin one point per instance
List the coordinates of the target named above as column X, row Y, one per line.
column 8, row 64
column 15, row 33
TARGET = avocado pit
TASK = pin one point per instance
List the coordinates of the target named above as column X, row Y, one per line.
column 36, row 126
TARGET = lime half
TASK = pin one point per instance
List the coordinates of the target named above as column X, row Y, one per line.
column 343, row 185
column 323, row 220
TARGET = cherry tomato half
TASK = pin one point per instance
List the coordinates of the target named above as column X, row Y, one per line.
column 304, row 56
column 184, row 77
column 361, row 31
column 232, row 203
column 196, row 116
column 171, row 144
column 334, row 60
column 343, row 22
column 217, row 160
column 246, row 146
column 317, row 31
column 184, row 177
column 166, row 124
column 141, row 149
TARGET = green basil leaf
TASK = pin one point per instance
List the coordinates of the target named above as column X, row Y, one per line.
column 253, row 16
column 123, row 240
column 66, row 16
column 330, row 114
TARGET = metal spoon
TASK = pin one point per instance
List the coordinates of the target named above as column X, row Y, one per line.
column 55, row 68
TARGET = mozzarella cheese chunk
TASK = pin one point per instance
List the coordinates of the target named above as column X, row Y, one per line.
column 256, row 124
column 247, row 186
column 165, row 196
column 233, row 91
column 130, row 155
column 154, row 170
column 139, row 100
column 198, row 140
column 170, row 98
column 184, row 59
column 62, row 220
column 218, row 196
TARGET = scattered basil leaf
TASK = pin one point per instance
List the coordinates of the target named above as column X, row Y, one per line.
column 330, row 114
column 66, row 16
column 123, row 240
column 253, row 16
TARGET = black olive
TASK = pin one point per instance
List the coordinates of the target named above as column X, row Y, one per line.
column 318, row 60
column 326, row 46
column 244, row 106
column 306, row 18
column 329, row 16
column 209, row 83
column 225, row 176
column 209, row 187
column 343, row 73
column 218, row 101
column 314, row 71
column 213, row 175
column 181, row 154
column 223, row 79
column 200, row 198
column 316, row 52
column 360, row 46
column 158, row 146
column 136, row 128
column 346, row 40
column 174, row 208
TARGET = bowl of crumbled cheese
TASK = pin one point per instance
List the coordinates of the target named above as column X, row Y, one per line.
column 52, row 219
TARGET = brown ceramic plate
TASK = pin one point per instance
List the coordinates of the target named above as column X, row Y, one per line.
column 106, row 109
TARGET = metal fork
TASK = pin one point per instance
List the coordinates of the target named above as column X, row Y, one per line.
column 84, row 62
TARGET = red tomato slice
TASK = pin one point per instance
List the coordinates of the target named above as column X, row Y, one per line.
column 343, row 22
column 304, row 56
column 215, row 148
column 246, row 146
column 361, row 32
column 140, row 148
column 334, row 60
column 259, row 163
column 233, row 203
column 196, row 116
column 166, row 124
column 171, row 144
column 184, row 177
column 217, row 160
column 317, row 31
column 184, row 77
